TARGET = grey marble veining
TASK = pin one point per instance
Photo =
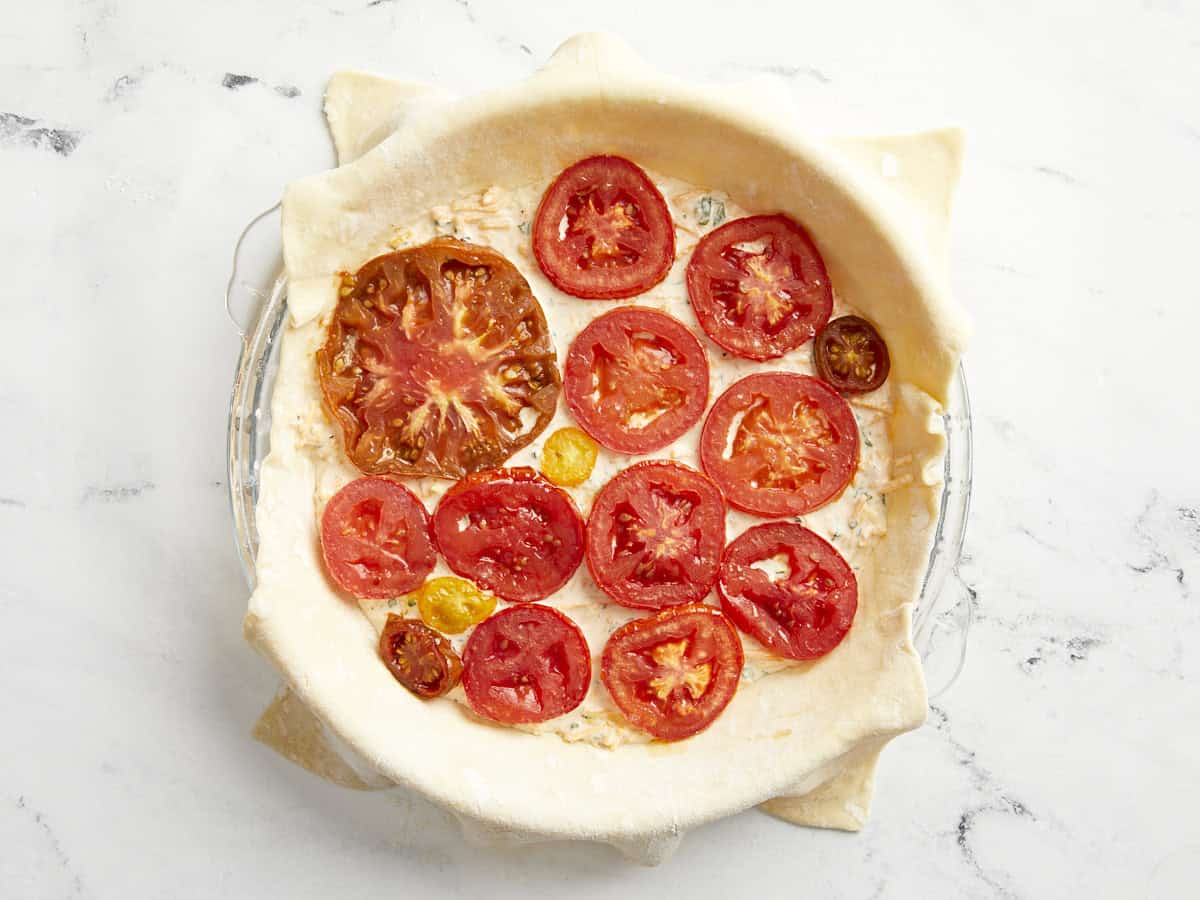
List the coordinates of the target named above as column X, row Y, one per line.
column 137, row 138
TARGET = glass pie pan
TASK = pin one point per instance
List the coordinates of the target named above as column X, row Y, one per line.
column 256, row 301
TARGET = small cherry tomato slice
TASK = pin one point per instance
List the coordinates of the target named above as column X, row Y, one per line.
column 511, row 532
column 437, row 361
column 655, row 535
column 603, row 230
column 636, row 379
column 789, row 589
column 851, row 356
column 452, row 605
column 673, row 673
column 759, row 286
column 420, row 658
column 375, row 539
column 780, row 444
column 526, row 664
column 568, row 457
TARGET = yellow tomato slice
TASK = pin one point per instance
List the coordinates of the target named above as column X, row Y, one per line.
column 569, row 457
column 452, row 605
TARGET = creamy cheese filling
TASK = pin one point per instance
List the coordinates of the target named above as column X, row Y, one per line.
column 500, row 218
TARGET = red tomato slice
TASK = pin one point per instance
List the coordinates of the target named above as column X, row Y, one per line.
column 526, row 664
column 780, row 444
column 437, row 361
column 805, row 608
column 759, row 286
column 603, row 230
column 655, row 535
column 673, row 673
column 636, row 379
column 375, row 539
column 510, row 531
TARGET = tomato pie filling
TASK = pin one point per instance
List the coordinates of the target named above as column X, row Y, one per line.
column 720, row 459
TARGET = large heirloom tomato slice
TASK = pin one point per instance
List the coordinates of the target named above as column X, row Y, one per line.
column 603, row 230
column 511, row 532
column 636, row 379
column 655, row 535
column 437, row 361
column 375, row 539
column 673, row 673
column 759, row 286
column 804, row 607
column 418, row 657
column 526, row 664
column 780, row 444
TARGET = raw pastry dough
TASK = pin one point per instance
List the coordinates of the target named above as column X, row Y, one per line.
column 362, row 109
column 840, row 712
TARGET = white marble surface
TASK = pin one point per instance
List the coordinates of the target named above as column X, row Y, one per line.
column 137, row 139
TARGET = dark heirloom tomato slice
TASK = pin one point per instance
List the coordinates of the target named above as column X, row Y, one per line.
column 420, row 658
column 437, row 361
column 526, row 664
column 673, row 673
column 759, row 286
column 636, row 379
column 603, row 230
column 851, row 356
column 511, row 532
column 805, row 609
column 780, row 444
column 655, row 535
column 375, row 539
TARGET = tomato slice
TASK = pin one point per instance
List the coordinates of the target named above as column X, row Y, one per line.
column 636, row 379
column 655, row 535
column 452, row 605
column 419, row 658
column 603, row 230
column 526, row 664
column 437, row 361
column 780, row 444
column 759, row 286
column 568, row 457
column 375, row 539
column 672, row 674
column 789, row 589
column 511, row 532
column 851, row 356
